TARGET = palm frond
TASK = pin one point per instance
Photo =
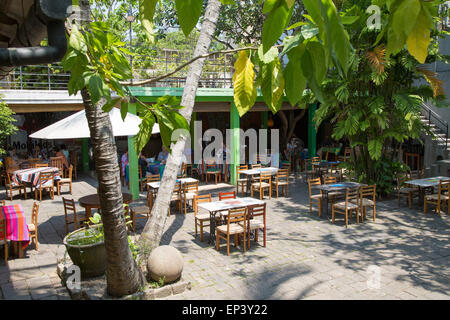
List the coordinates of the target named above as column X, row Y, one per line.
column 377, row 58
column 432, row 77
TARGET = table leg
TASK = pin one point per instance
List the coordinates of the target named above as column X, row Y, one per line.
column 325, row 204
column 88, row 212
column 212, row 228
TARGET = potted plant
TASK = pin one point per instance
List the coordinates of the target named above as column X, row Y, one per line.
column 86, row 248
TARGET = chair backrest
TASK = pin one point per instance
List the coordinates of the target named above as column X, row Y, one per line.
column 329, row 180
column 261, row 159
column 46, row 179
column 351, row 195
column 69, row 205
column 227, row 195
column 191, row 187
column 313, row 182
column 283, row 174
column 199, row 199
column 34, row 213
column 152, row 178
column 368, row 192
column 239, row 169
column 265, row 177
column 402, row 178
column 177, row 188
column 444, row 186
column 214, row 166
column 41, row 165
column 286, row 165
column 58, row 163
column 236, row 216
column 33, row 161
column 256, row 166
column 257, row 210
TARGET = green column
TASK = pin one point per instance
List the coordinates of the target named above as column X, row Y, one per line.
column 85, row 154
column 312, row 139
column 235, row 140
column 133, row 161
column 264, row 119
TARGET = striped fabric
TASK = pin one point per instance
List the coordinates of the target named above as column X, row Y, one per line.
column 31, row 175
column 16, row 224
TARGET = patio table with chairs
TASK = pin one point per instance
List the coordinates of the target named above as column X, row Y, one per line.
column 253, row 172
column 426, row 184
column 215, row 207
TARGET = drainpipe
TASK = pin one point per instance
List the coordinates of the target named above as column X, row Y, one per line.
column 53, row 13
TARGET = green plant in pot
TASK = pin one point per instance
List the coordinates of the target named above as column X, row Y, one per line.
column 86, row 248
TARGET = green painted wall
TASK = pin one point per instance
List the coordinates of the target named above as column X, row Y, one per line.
column 133, row 161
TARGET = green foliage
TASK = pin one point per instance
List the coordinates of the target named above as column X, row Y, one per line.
column 188, row 12
column 7, row 126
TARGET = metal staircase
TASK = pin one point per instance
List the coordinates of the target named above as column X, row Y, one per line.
column 439, row 127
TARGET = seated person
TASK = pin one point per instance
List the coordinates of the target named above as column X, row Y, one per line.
column 143, row 164
column 163, row 155
column 59, row 153
column 162, row 158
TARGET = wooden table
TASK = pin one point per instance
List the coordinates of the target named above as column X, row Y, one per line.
column 224, row 205
column 250, row 173
column 335, row 187
column 92, row 201
column 426, row 183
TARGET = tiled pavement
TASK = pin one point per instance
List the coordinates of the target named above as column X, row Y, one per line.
column 306, row 257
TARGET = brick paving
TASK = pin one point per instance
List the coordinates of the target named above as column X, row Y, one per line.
column 306, row 257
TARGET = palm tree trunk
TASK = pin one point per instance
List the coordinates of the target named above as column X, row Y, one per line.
column 123, row 275
column 154, row 228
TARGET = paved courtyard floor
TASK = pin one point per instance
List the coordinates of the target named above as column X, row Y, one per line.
column 404, row 254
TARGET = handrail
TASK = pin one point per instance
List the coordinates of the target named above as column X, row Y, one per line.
column 441, row 124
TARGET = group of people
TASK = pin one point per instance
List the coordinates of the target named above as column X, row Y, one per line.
column 13, row 161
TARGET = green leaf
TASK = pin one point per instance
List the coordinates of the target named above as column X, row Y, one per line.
column 346, row 20
column 293, row 74
column 147, row 10
column 308, row 72
column 145, row 132
column 404, row 16
column 275, row 23
column 419, row 39
column 272, row 85
column 309, row 31
column 227, row 1
column 317, row 51
column 123, row 109
column 297, row 24
column 188, row 12
column 269, row 5
column 243, row 82
column 269, row 56
column 375, row 147
column 291, row 42
column 110, row 104
column 95, row 88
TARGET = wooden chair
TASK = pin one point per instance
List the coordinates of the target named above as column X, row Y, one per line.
column 255, row 223
column 177, row 196
column 33, row 162
column 214, row 170
column 236, row 225
column 347, row 207
column 438, row 198
column 262, row 160
column 404, row 190
column 367, row 196
column 310, row 171
column 241, row 182
column 190, row 190
column 315, row 198
column 256, row 166
column 141, row 212
column 58, row 163
column 46, row 182
column 227, row 195
column 332, row 196
column 265, row 182
column 335, row 171
column 71, row 216
column 32, row 227
column 11, row 186
column 196, row 171
column 201, row 218
column 183, row 171
column 286, row 165
column 73, row 155
column 281, row 180
column 64, row 181
column 41, row 165
column 3, row 240
column 151, row 178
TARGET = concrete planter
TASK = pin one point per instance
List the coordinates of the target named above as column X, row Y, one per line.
column 91, row 258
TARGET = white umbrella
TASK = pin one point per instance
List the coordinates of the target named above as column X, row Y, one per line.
column 76, row 126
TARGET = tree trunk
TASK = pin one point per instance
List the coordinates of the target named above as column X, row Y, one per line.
column 154, row 228
column 123, row 276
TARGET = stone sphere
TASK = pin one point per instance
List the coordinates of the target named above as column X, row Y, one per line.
column 165, row 262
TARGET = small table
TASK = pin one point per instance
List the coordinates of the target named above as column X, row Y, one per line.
column 92, row 201
column 324, row 165
column 250, row 173
column 16, row 225
column 335, row 187
column 155, row 185
column 217, row 206
column 426, row 183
